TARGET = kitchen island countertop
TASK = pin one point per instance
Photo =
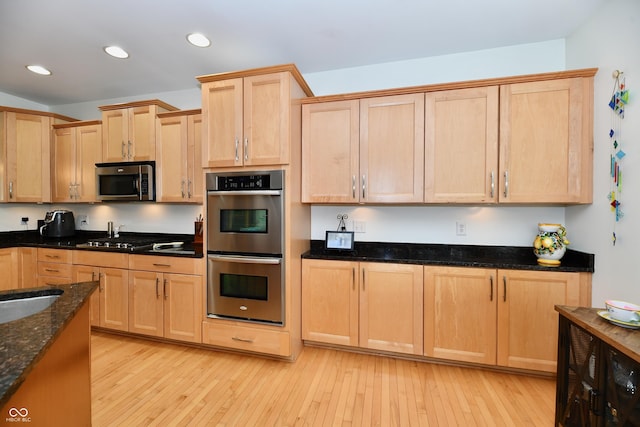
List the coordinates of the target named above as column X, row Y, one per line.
column 25, row 341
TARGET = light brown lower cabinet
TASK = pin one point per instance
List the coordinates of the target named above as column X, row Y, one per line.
column 110, row 302
column 483, row 316
column 54, row 266
column 18, row 267
column 370, row 305
column 164, row 304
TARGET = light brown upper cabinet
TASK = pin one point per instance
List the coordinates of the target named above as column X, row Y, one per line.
column 249, row 117
column 331, row 152
column 129, row 130
column 77, row 147
column 25, row 150
column 546, row 141
column 521, row 139
column 178, row 150
column 461, row 146
column 366, row 151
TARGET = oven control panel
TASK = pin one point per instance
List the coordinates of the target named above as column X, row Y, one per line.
column 271, row 180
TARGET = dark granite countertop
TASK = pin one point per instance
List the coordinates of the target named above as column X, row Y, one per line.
column 24, row 342
column 507, row 257
column 32, row 238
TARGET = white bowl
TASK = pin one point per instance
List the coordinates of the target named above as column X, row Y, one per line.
column 623, row 311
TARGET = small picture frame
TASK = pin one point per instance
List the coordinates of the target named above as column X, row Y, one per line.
column 339, row 240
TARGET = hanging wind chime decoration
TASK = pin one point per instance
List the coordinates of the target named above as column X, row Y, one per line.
column 619, row 99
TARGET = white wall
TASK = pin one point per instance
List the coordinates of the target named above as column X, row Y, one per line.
column 611, row 41
column 421, row 224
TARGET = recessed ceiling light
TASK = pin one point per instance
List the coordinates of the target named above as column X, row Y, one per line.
column 116, row 52
column 38, row 69
column 199, row 40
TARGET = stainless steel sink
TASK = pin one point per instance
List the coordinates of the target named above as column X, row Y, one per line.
column 15, row 309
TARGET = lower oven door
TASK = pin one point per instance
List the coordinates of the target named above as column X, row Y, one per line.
column 246, row 288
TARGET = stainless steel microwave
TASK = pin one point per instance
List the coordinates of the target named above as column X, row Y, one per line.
column 125, row 181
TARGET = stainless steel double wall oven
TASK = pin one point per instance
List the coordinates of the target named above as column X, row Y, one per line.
column 245, row 245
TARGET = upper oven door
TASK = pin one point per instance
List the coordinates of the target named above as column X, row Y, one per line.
column 247, row 221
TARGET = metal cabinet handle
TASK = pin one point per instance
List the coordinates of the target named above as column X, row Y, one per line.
column 124, row 154
column 237, row 149
column 157, row 290
column 247, row 340
column 493, row 184
column 246, row 151
column 52, row 256
column 491, row 288
column 129, row 155
column 506, row 183
column 182, row 188
column 11, row 189
column 353, row 186
column 164, row 288
column 504, row 288
column 363, row 281
column 161, row 265
column 189, row 188
column 353, row 278
column 364, row 186
column 51, row 270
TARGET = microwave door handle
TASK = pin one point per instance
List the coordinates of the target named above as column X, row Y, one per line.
column 246, row 259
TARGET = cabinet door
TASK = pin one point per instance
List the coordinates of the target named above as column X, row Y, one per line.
column 222, row 132
column 115, row 135
column 64, row 161
column 195, row 176
column 87, row 273
column 28, row 157
column 527, row 320
column 266, row 119
column 391, row 307
column 330, row 152
column 8, row 266
column 461, row 146
column 145, row 303
column 392, row 149
column 546, row 146
column 460, row 314
column 330, row 301
column 88, row 153
column 114, row 299
column 27, row 267
column 183, row 309
column 172, row 159
column 142, row 133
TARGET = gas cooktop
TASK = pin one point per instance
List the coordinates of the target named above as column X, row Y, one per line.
column 122, row 243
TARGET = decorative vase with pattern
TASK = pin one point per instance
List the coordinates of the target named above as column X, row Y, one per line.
column 550, row 244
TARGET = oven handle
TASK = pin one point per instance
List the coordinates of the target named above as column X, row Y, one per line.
column 246, row 193
column 246, row 259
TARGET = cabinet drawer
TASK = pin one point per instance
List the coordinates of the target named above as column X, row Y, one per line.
column 54, row 269
column 101, row 259
column 53, row 280
column 55, row 255
column 166, row 264
column 246, row 338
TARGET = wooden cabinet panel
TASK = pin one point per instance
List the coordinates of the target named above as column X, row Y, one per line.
column 178, row 145
column 75, row 152
column 246, row 338
column 527, row 321
column 546, row 141
column 28, row 157
column 392, row 149
column 167, row 264
column 391, row 307
column 246, row 120
column 8, row 266
column 460, row 314
column 87, row 273
column 129, row 130
column 183, row 307
column 330, row 152
column 461, row 146
column 114, row 299
column 330, row 301
column 146, row 312
column 54, row 266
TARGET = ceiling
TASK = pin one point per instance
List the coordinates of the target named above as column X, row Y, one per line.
column 67, row 36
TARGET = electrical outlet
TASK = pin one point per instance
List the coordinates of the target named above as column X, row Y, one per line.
column 461, row 228
column 83, row 220
column 24, row 220
column 360, row 226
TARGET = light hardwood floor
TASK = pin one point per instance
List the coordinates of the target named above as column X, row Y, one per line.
column 139, row 383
